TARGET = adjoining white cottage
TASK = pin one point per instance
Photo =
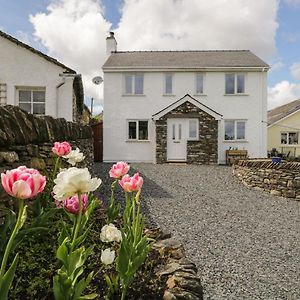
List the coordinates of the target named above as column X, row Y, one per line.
column 192, row 106
column 37, row 82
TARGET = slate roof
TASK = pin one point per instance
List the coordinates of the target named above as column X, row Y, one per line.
column 282, row 111
column 184, row 59
column 41, row 54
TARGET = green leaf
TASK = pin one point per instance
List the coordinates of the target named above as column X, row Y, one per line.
column 90, row 296
column 62, row 252
column 23, row 217
column 7, row 279
column 81, row 285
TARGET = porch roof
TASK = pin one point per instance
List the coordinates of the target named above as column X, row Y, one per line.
column 182, row 100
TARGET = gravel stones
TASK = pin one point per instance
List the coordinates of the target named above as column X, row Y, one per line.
column 245, row 243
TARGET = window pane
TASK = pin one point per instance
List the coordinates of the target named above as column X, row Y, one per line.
column 132, row 130
column 24, row 96
column 240, row 83
column 179, row 131
column 168, row 84
column 229, row 130
column 293, row 138
column 283, row 138
column 38, row 96
column 173, row 131
column 139, row 84
column 240, row 130
column 193, row 129
column 143, row 130
column 25, row 106
column 199, row 84
column 229, row 83
column 128, row 84
column 39, row 108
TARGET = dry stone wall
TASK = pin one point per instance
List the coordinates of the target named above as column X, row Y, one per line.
column 27, row 140
column 278, row 179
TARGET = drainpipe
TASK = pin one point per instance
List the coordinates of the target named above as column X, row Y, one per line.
column 262, row 110
column 57, row 93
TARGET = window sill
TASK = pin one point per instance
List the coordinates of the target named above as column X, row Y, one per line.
column 236, row 94
column 137, row 141
column 235, row 141
column 199, row 95
column 133, row 95
column 289, row 145
column 168, row 95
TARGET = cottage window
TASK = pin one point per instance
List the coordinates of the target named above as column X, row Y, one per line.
column 199, row 83
column 289, row 138
column 235, row 130
column 137, row 130
column 234, row 83
column 32, row 101
column 134, row 84
column 168, row 83
column 193, row 129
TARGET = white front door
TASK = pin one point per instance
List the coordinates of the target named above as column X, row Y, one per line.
column 176, row 140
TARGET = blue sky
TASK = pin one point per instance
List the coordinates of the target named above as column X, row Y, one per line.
column 284, row 82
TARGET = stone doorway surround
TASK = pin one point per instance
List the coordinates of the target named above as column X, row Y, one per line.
column 201, row 151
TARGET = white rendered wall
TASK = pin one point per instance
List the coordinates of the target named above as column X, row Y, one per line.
column 21, row 68
column 117, row 108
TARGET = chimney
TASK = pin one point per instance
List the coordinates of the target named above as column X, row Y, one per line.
column 111, row 44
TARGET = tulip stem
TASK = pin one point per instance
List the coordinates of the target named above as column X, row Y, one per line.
column 56, row 166
column 78, row 221
column 18, row 225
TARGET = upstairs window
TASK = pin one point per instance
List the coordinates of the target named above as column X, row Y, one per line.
column 137, row 130
column 134, row 84
column 235, row 130
column 199, row 83
column 289, row 138
column 168, row 84
column 32, row 100
column 234, row 83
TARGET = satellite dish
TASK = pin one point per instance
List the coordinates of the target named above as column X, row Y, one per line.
column 97, row 80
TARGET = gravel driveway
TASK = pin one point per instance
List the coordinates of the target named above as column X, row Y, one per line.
column 244, row 242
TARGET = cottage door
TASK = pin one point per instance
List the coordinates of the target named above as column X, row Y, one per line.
column 176, row 140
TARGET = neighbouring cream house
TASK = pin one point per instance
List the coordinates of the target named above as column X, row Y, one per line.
column 284, row 127
column 183, row 106
column 37, row 82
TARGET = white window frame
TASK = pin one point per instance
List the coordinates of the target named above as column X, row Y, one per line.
column 235, row 130
column 133, row 79
column 165, row 84
column 137, row 130
column 196, row 138
column 235, row 83
column 287, row 138
column 31, row 90
column 203, row 76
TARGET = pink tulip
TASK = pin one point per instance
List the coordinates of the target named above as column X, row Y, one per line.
column 119, row 169
column 71, row 204
column 131, row 184
column 61, row 149
column 23, row 183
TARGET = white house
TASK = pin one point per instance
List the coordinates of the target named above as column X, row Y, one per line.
column 191, row 106
column 38, row 83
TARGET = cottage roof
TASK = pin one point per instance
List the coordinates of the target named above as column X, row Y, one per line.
column 184, row 59
column 282, row 111
column 41, row 54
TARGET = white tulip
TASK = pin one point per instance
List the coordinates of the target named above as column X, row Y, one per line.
column 72, row 181
column 108, row 256
column 110, row 233
column 74, row 157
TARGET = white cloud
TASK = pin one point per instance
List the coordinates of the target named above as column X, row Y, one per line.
column 293, row 3
column 198, row 24
column 278, row 65
column 74, row 32
column 283, row 92
column 295, row 70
